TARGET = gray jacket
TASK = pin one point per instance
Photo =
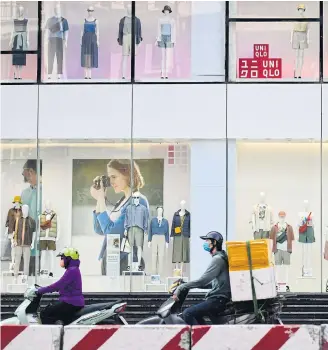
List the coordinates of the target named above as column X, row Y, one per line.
column 217, row 275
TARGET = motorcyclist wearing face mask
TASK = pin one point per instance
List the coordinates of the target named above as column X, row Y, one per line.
column 216, row 276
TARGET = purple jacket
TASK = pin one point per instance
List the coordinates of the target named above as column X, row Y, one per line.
column 69, row 286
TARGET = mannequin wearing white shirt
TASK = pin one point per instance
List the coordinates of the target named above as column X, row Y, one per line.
column 48, row 256
column 306, row 239
column 262, row 218
column 300, row 41
column 156, row 240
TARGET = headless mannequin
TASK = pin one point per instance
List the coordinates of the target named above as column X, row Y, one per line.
column 135, row 201
column 20, row 16
column 25, row 211
column 299, row 51
column 155, row 253
column 181, row 213
column 282, row 271
column 57, row 14
column 90, row 18
column 17, row 205
column 48, row 255
column 125, row 58
column 167, row 52
column 306, row 247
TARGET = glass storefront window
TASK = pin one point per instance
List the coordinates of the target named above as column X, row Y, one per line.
column 18, row 74
column 181, row 41
column 264, row 207
column 19, row 25
column 272, row 9
column 274, row 51
column 19, row 30
column 85, row 45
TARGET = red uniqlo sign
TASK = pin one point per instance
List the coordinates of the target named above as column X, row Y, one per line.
column 260, row 66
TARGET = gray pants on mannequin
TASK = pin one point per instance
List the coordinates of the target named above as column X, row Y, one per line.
column 158, row 251
column 24, row 251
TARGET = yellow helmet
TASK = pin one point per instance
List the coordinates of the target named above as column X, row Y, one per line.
column 301, row 7
column 70, row 253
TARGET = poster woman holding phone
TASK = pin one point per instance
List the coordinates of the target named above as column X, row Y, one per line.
column 106, row 222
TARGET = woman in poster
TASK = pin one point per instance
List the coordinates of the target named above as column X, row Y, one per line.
column 119, row 174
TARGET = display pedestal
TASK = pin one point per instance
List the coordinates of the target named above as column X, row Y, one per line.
column 137, row 280
column 17, row 287
column 155, row 287
column 8, row 276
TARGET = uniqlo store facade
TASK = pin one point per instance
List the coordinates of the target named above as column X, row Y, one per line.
column 190, row 116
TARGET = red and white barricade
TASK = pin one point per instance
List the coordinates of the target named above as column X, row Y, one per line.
column 256, row 337
column 324, row 332
column 30, row 337
column 126, row 337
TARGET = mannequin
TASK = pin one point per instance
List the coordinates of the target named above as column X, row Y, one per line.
column 261, row 219
column 19, row 41
column 180, row 234
column 89, row 43
column 158, row 238
column 124, row 37
column 300, row 41
column 136, row 225
column 56, row 37
column 49, row 235
column 282, row 235
column 24, row 240
column 306, row 238
column 325, row 253
column 166, row 34
column 11, row 226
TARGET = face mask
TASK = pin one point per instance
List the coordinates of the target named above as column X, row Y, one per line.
column 206, row 247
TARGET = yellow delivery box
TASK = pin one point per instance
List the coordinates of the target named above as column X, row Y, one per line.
column 251, row 258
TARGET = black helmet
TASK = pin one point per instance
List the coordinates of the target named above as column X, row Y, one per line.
column 214, row 236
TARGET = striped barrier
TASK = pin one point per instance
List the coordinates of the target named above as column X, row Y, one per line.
column 256, row 337
column 127, row 338
column 153, row 337
column 36, row 337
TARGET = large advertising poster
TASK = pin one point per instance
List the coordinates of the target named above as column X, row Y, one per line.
column 99, row 208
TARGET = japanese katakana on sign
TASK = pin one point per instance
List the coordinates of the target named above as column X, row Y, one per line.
column 261, row 65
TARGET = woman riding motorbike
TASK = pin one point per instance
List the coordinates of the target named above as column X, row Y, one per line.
column 69, row 287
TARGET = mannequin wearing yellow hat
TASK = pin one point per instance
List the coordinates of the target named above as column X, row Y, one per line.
column 11, row 226
column 282, row 236
column 300, row 41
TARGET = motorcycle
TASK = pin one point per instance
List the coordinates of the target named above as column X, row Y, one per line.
column 240, row 313
column 26, row 313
